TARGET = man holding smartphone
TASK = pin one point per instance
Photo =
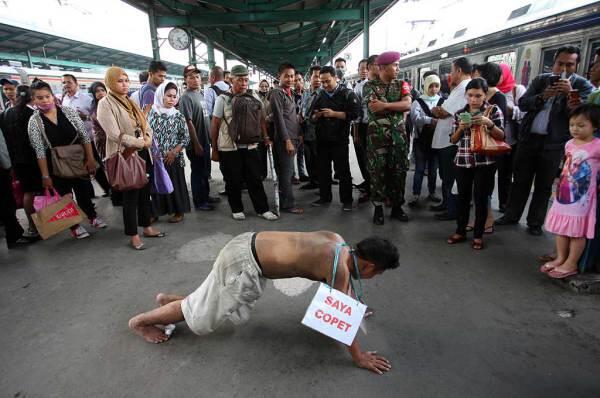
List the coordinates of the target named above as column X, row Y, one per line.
column 543, row 134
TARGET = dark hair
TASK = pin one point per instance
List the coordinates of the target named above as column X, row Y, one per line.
column 226, row 72
column 171, row 86
column 156, row 66
column 372, row 60
column 568, row 50
column 39, row 84
column 276, row 81
column 285, row 66
column 264, row 80
column 429, row 73
column 299, row 73
column 143, row 76
column 339, row 60
column 364, row 60
column 216, row 72
column 71, row 76
column 315, row 68
column 590, row 112
column 380, row 251
column 490, row 71
column 92, row 91
column 477, row 83
column 464, row 65
column 327, row 69
column 23, row 96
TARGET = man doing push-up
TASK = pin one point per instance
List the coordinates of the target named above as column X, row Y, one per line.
column 242, row 268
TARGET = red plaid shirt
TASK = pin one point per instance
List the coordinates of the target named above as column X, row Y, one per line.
column 464, row 157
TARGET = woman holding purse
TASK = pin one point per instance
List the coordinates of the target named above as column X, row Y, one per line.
column 51, row 127
column 474, row 171
column 127, row 131
column 171, row 136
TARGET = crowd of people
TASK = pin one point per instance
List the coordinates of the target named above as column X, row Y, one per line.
column 305, row 128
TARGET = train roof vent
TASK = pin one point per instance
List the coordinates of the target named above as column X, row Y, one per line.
column 460, row 33
column 431, row 43
column 519, row 12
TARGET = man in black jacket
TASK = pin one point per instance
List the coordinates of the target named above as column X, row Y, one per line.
column 333, row 110
column 544, row 132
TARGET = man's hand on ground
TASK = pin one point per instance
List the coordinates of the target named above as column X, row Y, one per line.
column 370, row 361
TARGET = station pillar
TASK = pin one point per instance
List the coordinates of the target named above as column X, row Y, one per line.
column 224, row 60
column 192, row 52
column 210, row 51
column 366, row 28
column 154, row 35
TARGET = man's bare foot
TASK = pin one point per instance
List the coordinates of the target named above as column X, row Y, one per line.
column 151, row 334
column 164, row 299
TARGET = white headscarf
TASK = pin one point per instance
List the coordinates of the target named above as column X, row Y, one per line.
column 159, row 95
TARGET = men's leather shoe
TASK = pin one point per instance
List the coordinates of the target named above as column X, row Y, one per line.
column 378, row 216
column 399, row 214
column 535, row 231
column 444, row 216
column 504, row 221
column 440, row 207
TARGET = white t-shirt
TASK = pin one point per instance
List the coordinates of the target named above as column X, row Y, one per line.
column 455, row 102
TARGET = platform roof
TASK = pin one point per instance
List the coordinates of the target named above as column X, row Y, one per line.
column 60, row 51
column 267, row 32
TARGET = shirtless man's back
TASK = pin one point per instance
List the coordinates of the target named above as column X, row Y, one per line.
column 239, row 275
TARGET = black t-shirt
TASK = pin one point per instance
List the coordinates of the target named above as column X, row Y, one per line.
column 499, row 100
column 62, row 133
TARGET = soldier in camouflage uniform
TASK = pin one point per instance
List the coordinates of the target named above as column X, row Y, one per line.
column 387, row 143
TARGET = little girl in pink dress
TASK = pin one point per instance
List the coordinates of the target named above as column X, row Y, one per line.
column 572, row 216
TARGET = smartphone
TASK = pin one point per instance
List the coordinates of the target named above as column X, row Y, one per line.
column 554, row 79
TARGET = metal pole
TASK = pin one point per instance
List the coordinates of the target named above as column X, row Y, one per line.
column 193, row 60
column 224, row 60
column 29, row 59
column 366, row 28
column 331, row 55
column 210, row 50
column 154, row 35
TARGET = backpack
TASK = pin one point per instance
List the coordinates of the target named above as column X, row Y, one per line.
column 426, row 133
column 217, row 90
column 246, row 112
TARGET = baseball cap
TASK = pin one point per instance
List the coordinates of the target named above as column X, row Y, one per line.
column 189, row 69
column 4, row 81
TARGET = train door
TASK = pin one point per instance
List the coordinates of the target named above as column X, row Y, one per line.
column 420, row 79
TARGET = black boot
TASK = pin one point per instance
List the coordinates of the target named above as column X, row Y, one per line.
column 378, row 215
column 399, row 214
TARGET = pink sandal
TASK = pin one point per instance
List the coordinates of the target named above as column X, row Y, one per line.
column 555, row 274
column 546, row 268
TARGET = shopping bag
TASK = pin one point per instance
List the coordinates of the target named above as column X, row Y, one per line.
column 57, row 217
column 161, row 183
column 17, row 191
column 334, row 314
column 39, row 202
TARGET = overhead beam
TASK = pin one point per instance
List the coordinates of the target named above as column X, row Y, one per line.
column 69, row 48
column 232, row 18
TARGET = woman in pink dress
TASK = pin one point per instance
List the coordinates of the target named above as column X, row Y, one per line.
column 572, row 216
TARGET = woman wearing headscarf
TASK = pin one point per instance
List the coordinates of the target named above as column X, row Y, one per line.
column 513, row 93
column 118, row 115
column 171, row 136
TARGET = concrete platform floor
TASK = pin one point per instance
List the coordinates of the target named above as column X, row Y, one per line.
column 453, row 322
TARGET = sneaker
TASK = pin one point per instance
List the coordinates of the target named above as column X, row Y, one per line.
column 269, row 216
column 399, row 214
column 205, row 207
column 378, row 216
column 414, row 201
column 320, row 202
column 223, row 193
column 31, row 233
column 238, row 216
column 98, row 223
column 433, row 198
column 347, row 206
column 79, row 233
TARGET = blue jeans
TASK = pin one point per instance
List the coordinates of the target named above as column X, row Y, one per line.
column 200, row 166
column 424, row 159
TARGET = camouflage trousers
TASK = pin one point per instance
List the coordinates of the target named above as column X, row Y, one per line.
column 387, row 168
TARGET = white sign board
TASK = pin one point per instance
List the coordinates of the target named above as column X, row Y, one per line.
column 334, row 314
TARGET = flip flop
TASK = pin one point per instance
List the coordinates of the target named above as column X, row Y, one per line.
column 469, row 228
column 488, row 230
column 477, row 244
column 294, row 210
column 158, row 235
column 138, row 247
column 554, row 274
column 546, row 268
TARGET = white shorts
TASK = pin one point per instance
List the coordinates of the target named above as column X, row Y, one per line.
column 229, row 291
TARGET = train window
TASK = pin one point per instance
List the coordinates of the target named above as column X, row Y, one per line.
column 445, row 68
column 548, row 56
column 594, row 46
column 507, row 58
column 421, row 73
